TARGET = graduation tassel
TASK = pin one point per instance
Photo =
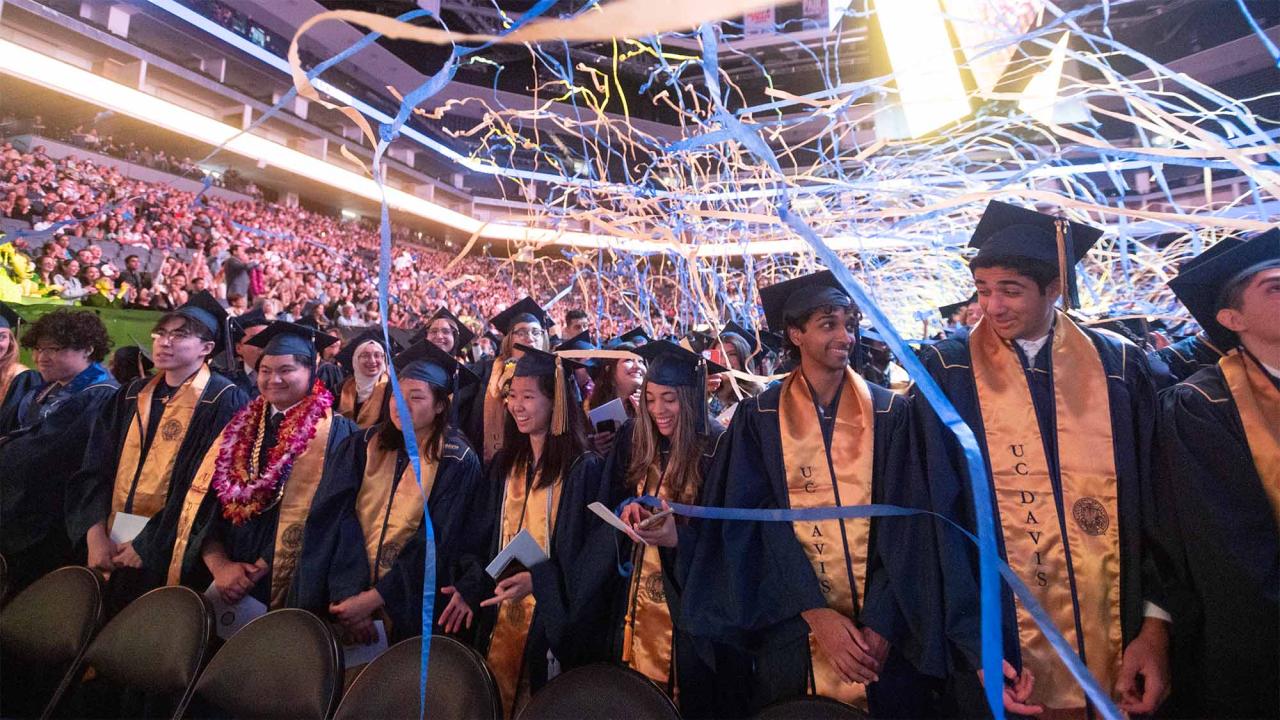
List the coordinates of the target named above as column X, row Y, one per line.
column 700, row 418
column 560, row 411
column 1066, row 266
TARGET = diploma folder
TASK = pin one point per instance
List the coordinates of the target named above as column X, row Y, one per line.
column 522, row 553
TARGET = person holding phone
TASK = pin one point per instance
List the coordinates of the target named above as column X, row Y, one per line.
column 541, row 482
column 664, row 454
column 617, row 379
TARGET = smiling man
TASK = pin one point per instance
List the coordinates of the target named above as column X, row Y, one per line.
column 1064, row 415
column 835, row 608
column 145, row 448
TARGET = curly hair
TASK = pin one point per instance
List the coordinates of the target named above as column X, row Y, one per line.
column 79, row 329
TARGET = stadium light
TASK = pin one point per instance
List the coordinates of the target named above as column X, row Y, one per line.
column 930, row 89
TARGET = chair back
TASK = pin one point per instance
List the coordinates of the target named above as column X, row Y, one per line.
column 44, row 631
column 600, row 690
column 459, row 686
column 285, row 664
column 812, row 707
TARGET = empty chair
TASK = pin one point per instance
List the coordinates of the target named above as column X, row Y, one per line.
column 146, row 659
column 812, row 707
column 285, row 664
column 600, row 691
column 44, row 631
column 459, row 686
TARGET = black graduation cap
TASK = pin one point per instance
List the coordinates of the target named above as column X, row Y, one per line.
column 428, row 363
column 700, row 340
column 137, row 356
column 1010, row 231
column 286, row 338
column 465, row 336
column 8, row 318
column 733, row 328
column 206, row 310
column 948, row 310
column 346, row 356
column 517, row 313
column 536, row 363
column 1210, row 253
column 771, row 341
column 635, row 335
column 670, row 364
column 797, row 296
column 1200, row 286
column 253, row 318
column 581, row 341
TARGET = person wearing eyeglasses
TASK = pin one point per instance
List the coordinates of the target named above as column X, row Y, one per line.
column 524, row 323
column 43, row 436
column 145, row 448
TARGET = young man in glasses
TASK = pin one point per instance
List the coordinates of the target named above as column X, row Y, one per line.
column 145, row 448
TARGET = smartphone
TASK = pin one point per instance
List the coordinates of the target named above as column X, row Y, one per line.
column 606, row 426
column 654, row 520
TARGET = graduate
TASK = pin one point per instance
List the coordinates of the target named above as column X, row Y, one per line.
column 1064, row 415
column 735, row 346
column 447, row 332
column 386, row 500
column 615, row 379
column 15, row 378
column 583, row 375
column 524, row 323
column 833, row 608
column 274, row 457
column 541, row 481
column 243, row 330
column 1177, row 362
column 42, row 440
column 146, row 446
column 664, row 453
column 362, row 398
column 1220, row 490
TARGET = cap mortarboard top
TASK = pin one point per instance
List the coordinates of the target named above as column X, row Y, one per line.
column 1200, row 286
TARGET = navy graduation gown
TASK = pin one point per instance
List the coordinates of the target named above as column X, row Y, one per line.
column 89, row 501
column 21, row 384
column 1225, row 598
column 748, row 582
column 555, row 627
column 320, row 578
column 457, row 479
column 1132, row 401
column 1177, row 362
column 331, row 375
column 599, row 586
column 38, row 453
column 469, row 403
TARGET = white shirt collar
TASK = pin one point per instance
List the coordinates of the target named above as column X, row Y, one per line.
column 278, row 410
column 1275, row 372
column 1032, row 348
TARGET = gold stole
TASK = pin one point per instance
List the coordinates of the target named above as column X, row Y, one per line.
column 536, row 513
column 647, row 628
column 191, row 506
column 1032, row 530
column 299, row 490
column 389, row 519
column 495, row 406
column 837, row 549
column 1258, row 402
column 370, row 411
column 152, row 488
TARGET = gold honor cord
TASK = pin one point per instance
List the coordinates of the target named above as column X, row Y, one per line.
column 389, row 517
column 1258, row 402
column 837, row 549
column 153, row 472
column 1047, row 550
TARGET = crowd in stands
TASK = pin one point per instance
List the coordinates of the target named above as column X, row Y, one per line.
column 100, row 238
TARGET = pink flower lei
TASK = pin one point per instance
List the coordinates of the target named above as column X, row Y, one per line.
column 242, row 496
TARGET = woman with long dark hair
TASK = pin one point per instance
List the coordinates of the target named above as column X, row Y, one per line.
column 387, row 500
column 663, row 455
column 616, row 379
column 522, row 324
column 540, row 483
